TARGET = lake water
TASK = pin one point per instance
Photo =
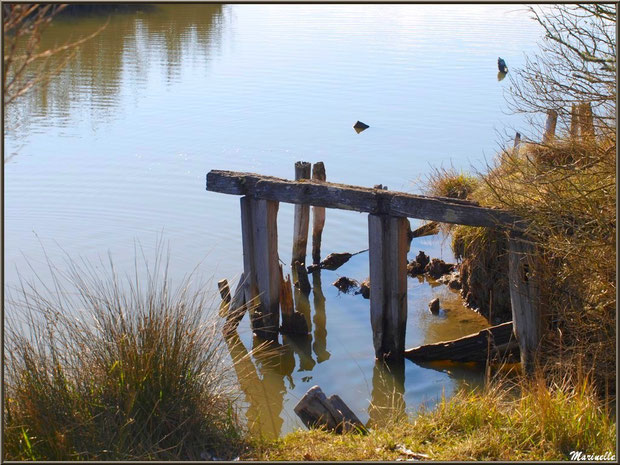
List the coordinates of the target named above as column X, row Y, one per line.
column 116, row 148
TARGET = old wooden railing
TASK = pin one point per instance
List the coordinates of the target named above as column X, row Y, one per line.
column 388, row 246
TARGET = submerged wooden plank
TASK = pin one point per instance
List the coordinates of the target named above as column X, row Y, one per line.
column 361, row 199
column 471, row 348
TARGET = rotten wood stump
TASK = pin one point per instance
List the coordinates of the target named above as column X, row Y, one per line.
column 293, row 322
column 316, row 410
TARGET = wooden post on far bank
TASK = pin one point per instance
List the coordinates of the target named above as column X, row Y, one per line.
column 586, row 119
column 574, row 121
column 524, row 298
column 388, row 244
column 302, row 217
column 261, row 266
column 318, row 215
column 552, row 120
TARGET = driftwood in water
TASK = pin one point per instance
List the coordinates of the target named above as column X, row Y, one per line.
column 302, row 278
column 293, row 322
column 318, row 215
column 472, row 348
column 426, row 230
column 236, row 308
column 302, row 217
column 334, row 261
column 316, row 411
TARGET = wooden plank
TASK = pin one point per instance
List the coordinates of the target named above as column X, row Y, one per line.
column 470, row 348
column 388, row 243
column 318, row 215
column 261, row 264
column 361, row 199
column 524, row 298
column 301, row 218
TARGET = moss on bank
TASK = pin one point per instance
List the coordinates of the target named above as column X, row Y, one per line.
column 540, row 423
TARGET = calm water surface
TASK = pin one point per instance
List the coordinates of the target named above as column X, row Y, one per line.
column 116, row 149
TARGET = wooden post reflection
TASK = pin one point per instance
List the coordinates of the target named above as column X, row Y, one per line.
column 320, row 331
column 263, row 384
column 387, row 401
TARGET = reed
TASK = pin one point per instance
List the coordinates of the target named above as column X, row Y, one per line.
column 104, row 367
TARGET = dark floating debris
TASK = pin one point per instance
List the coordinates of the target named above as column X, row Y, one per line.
column 417, row 266
column 433, row 306
column 501, row 65
column 365, row 289
column 359, row 127
column 345, row 284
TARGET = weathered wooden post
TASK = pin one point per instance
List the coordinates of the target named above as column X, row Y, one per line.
column 552, row 120
column 318, row 215
column 586, row 119
column 517, row 140
column 261, row 264
column 302, row 217
column 388, row 243
column 574, row 121
column 524, row 299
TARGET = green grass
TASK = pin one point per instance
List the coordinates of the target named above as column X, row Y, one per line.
column 534, row 423
column 116, row 369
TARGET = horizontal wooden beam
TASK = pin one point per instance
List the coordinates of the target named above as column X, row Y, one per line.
column 471, row 348
column 361, row 199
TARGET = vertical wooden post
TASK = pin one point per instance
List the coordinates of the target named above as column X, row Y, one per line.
column 574, row 121
column 318, row 215
column 517, row 140
column 261, row 264
column 388, row 244
column 552, row 119
column 524, row 298
column 302, row 217
column 586, row 119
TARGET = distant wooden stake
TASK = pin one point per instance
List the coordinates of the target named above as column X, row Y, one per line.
column 302, row 217
column 261, row 264
column 574, row 121
column 517, row 140
column 388, row 242
column 318, row 215
column 524, row 299
column 587, row 120
column 552, row 119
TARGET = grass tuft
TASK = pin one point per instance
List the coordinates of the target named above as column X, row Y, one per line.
column 104, row 368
